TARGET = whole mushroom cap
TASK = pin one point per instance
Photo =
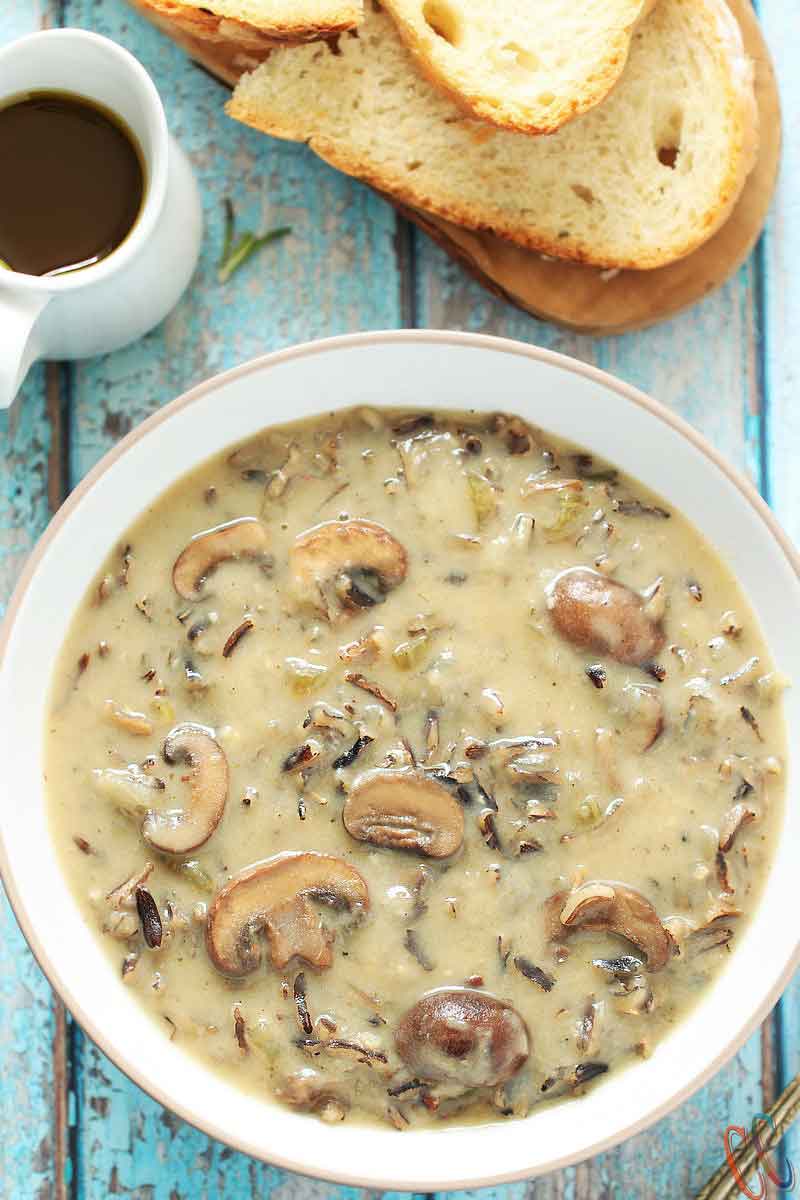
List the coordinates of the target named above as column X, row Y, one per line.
column 462, row 1036
column 602, row 615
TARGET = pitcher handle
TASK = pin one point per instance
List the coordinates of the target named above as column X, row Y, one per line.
column 19, row 347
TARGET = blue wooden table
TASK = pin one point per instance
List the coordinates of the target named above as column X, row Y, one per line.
column 72, row 1126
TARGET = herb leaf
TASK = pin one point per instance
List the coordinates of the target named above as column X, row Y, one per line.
column 236, row 251
column 230, row 228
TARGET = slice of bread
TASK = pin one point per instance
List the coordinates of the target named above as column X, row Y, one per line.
column 226, row 60
column 525, row 66
column 259, row 24
column 637, row 182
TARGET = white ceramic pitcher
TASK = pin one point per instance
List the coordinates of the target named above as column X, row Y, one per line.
column 105, row 306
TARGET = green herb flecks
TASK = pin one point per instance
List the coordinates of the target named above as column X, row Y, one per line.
column 237, row 251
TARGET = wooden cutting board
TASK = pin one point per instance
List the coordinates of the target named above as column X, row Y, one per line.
column 581, row 298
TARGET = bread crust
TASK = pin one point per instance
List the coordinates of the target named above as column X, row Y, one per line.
column 209, row 26
column 227, row 61
column 505, row 112
column 743, row 103
column 403, row 185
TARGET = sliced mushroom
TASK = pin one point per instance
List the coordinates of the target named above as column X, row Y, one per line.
column 598, row 614
column 274, row 897
column 736, row 816
column 405, row 810
column 462, row 1036
column 566, row 1080
column 617, row 908
column 720, row 909
column 245, row 537
column 713, row 937
column 554, row 931
column 715, row 931
column 346, row 565
column 182, row 830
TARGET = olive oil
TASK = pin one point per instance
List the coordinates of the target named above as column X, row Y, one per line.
column 73, row 183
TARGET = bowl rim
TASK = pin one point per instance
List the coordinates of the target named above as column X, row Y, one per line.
column 443, row 338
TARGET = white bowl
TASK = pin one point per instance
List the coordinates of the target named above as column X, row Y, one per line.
column 416, row 369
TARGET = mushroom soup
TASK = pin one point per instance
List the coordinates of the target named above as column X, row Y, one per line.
column 415, row 768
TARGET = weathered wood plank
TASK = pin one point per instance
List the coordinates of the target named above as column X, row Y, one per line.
column 705, row 365
column 338, row 271
column 781, row 318
column 25, row 441
column 702, row 363
column 781, row 293
column 32, row 1042
column 129, row 1145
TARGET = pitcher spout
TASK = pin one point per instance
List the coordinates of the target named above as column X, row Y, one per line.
column 19, row 343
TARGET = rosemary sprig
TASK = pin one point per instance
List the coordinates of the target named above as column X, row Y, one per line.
column 236, row 251
column 230, row 227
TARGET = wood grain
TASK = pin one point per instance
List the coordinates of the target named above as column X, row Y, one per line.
column 33, row 1066
column 583, row 299
column 603, row 302
column 780, row 317
column 337, row 271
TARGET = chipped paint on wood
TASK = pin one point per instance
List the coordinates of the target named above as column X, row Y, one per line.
column 336, row 271
column 131, row 1146
column 31, row 1145
column 780, row 320
column 716, row 390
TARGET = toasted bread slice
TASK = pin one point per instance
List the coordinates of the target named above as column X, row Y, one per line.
column 258, row 24
column 525, row 66
column 637, row 182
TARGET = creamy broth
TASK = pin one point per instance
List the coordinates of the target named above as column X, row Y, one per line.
column 510, row 711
